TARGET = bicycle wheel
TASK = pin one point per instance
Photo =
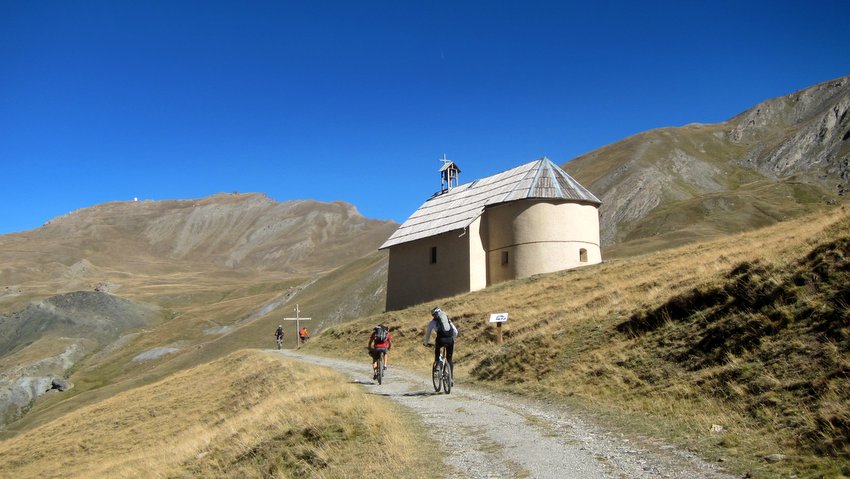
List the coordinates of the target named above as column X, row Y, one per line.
column 380, row 362
column 447, row 377
column 437, row 376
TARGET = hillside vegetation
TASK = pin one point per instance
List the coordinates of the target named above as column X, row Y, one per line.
column 119, row 295
column 203, row 321
column 249, row 414
column 737, row 348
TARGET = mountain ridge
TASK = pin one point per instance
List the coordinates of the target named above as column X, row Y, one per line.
column 177, row 229
column 793, row 146
column 230, row 234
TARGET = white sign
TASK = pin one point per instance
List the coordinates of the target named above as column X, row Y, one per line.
column 498, row 317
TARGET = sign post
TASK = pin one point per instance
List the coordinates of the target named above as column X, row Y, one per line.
column 297, row 320
column 499, row 318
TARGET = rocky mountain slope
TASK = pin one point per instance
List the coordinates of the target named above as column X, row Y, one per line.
column 227, row 233
column 782, row 158
column 39, row 344
column 103, row 293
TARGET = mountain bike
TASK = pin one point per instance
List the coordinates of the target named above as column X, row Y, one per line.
column 279, row 343
column 377, row 355
column 441, row 373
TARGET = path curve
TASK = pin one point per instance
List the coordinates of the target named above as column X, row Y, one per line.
column 496, row 435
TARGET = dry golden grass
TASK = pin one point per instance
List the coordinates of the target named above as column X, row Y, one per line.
column 563, row 341
column 250, row 414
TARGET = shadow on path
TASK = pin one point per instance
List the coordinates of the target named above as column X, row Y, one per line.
column 421, row 393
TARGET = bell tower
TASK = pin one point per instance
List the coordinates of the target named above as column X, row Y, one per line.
column 448, row 174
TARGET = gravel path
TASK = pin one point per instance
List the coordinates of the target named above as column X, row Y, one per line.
column 495, row 435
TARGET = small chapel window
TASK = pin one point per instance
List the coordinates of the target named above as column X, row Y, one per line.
column 582, row 255
column 433, row 254
column 504, row 258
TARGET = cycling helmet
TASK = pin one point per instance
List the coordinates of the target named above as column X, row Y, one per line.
column 435, row 312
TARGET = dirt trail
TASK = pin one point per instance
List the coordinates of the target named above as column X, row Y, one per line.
column 490, row 435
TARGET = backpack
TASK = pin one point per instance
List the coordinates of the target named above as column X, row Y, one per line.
column 444, row 326
column 380, row 335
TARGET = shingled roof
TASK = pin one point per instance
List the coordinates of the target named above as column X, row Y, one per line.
column 460, row 206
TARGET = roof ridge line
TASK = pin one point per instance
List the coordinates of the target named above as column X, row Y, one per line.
column 548, row 165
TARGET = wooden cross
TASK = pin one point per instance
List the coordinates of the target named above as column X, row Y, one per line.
column 297, row 320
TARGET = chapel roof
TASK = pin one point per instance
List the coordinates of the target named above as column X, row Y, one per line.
column 458, row 207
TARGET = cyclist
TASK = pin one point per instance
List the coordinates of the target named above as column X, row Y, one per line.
column 279, row 335
column 446, row 333
column 379, row 341
column 303, row 334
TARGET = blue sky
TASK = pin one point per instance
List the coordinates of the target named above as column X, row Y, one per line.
column 356, row 101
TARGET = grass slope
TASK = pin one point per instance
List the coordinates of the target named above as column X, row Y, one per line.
column 249, row 414
column 748, row 333
column 771, row 341
column 205, row 318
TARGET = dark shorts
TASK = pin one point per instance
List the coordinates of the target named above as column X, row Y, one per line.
column 377, row 352
column 449, row 343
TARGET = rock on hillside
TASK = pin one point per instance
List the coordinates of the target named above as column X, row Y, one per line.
column 100, row 317
column 784, row 157
column 40, row 343
column 807, row 131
